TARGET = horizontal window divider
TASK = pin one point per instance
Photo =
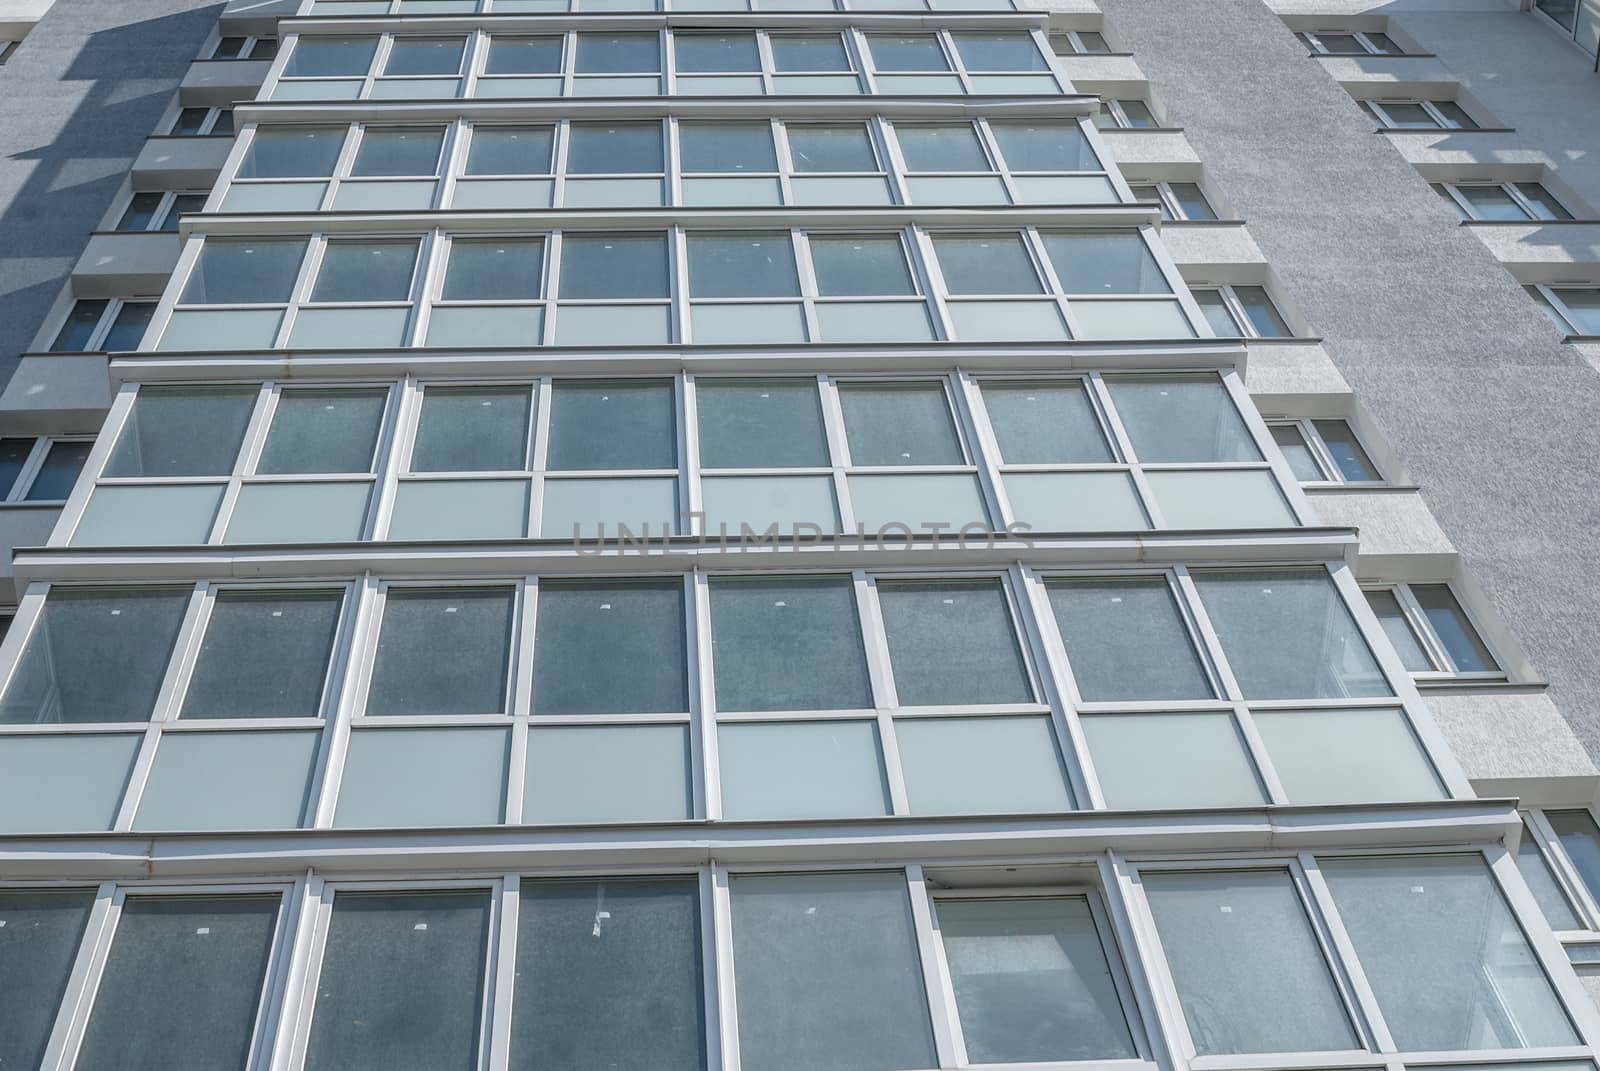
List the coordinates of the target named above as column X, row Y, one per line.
column 1066, row 837
column 1348, row 703
column 400, row 560
column 71, row 728
column 974, row 710
column 192, row 724
column 1353, row 487
column 418, row 721
column 434, row 25
column 744, row 716
column 536, row 719
column 1155, row 706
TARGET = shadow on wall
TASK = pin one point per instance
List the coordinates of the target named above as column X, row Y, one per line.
column 77, row 100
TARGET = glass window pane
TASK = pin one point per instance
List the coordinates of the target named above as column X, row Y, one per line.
column 366, row 271
column 1413, row 655
column 797, row 769
column 1104, row 262
column 39, row 934
column 323, row 431
column 59, row 473
column 14, row 453
column 1170, row 761
column 614, row 148
column 618, row 53
column 1580, row 838
column 1545, row 205
column 907, row 52
column 1181, row 418
column 1342, row 443
column 1288, row 635
column 1191, row 200
column 319, row 511
column 524, row 55
column 1139, row 114
column 1451, row 624
column 293, row 152
column 607, row 773
column 952, row 643
column 423, row 778
column 1263, row 314
column 1045, row 423
column 244, row 271
column 1444, row 955
column 472, row 429
column 265, row 655
column 64, row 782
column 899, row 424
column 228, row 781
column 425, row 56
column 714, row 53
column 1492, row 202
column 846, row 147
column 787, row 644
column 760, row 423
column 982, row 766
column 1217, row 313
column 95, row 655
column 609, row 975
column 1582, row 307
column 494, row 269
column 189, row 123
column 78, row 331
column 128, row 328
column 610, row 648
column 510, row 150
column 330, row 57
column 182, row 984
column 1455, row 115
column 861, row 266
column 726, row 147
column 742, row 265
column 1126, row 639
column 998, row 52
column 1032, row 982
column 1301, row 461
column 1542, row 882
column 1044, row 146
column 829, row 977
column 141, row 212
column 597, row 424
column 402, row 982
column 809, row 52
column 987, row 264
column 443, row 651
column 182, row 431
column 1248, row 969
column 942, row 147
column 1347, row 756
column 614, row 266
column 397, row 151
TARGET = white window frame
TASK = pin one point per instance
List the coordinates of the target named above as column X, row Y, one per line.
column 246, row 50
column 1241, row 317
column 164, row 208
column 1375, row 107
column 1444, row 667
column 1312, row 40
column 1172, row 209
column 1111, row 107
column 1317, row 447
column 1569, row 882
column 1075, row 44
column 1548, row 295
column 1532, row 209
column 32, row 466
column 208, row 125
column 103, row 326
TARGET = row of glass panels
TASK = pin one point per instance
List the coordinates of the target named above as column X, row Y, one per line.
column 582, row 288
column 825, row 971
column 622, row 458
column 716, row 163
column 542, row 7
column 835, row 696
column 599, row 63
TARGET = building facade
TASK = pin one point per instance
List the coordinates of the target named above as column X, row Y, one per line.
column 776, row 535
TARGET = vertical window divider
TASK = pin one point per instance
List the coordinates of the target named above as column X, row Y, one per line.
column 87, row 966
column 552, row 285
column 926, row 267
column 805, row 270
column 93, row 466
column 1417, row 621
column 894, row 168
column 1122, row 444
column 352, row 698
column 727, row 1010
column 1061, row 690
column 395, row 455
column 1112, row 923
column 1097, row 144
column 838, row 449
column 569, row 61
column 948, row 1040
column 503, row 971
column 674, row 162
column 541, row 454
column 1150, row 236
column 316, row 245
column 1282, row 474
column 980, row 445
column 477, row 59
column 1204, row 635
column 1244, row 724
column 295, row 1033
column 712, row 981
column 1361, row 1003
column 489, row 1019
column 785, row 158
column 385, row 465
column 1319, row 450
column 1552, row 956
column 29, row 609
column 1146, row 948
column 691, row 504
column 952, row 57
column 769, row 65
column 453, row 162
column 669, row 61
column 1033, row 242
column 162, row 316
column 706, row 774
column 1041, row 41
column 380, row 60
column 433, row 255
column 343, row 164
column 523, row 658
column 562, row 138
column 855, row 44
column 1566, row 875
column 997, row 159
column 880, row 672
column 678, row 285
column 280, row 955
column 230, row 167
column 255, row 437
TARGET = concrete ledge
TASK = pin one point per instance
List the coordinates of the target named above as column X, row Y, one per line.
column 1391, row 524
column 1149, row 147
column 1294, row 376
column 56, row 394
column 1513, row 743
column 22, row 525
column 1543, row 252
column 123, row 263
column 1099, row 67
column 1224, row 246
column 1397, row 76
column 218, row 83
column 167, row 163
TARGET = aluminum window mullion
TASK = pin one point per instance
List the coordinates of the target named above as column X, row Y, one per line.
column 294, row 1032
column 924, row 261
column 1260, row 757
column 368, row 613
column 1045, row 271
column 1230, row 299
column 721, row 930
column 855, row 44
column 72, row 1015
column 1204, row 635
column 1060, row 690
column 1423, row 630
column 397, row 459
column 1318, row 448
column 452, row 162
column 838, row 448
column 1568, row 880
column 880, row 672
column 1349, row 976
column 805, row 270
column 539, row 464
column 93, row 466
column 769, row 64
column 1548, row 951
column 1122, row 445
column 29, row 470
column 1148, row 951
column 1282, row 474
column 310, row 265
column 711, row 981
column 552, row 286
column 707, row 773
column 973, row 419
column 785, row 158
column 991, row 146
column 380, row 60
column 499, row 1008
column 953, row 58
column 887, row 142
column 949, row 1042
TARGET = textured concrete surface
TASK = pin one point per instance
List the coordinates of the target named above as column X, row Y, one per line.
column 1468, row 380
column 76, row 102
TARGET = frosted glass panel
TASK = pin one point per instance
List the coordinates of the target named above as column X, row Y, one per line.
column 63, row 784
column 460, row 509
column 1220, row 499
column 790, row 502
column 787, row 644
column 1163, row 761
column 265, row 654
column 612, row 193
column 299, row 513
column 37, row 946
column 402, row 982
column 1104, row 262
column 235, row 780
column 222, row 329
column 1032, row 982
column 349, row 328
column 1347, row 756
column 952, row 643
column 824, row 769
column 1064, row 189
column 607, row 773
column 1075, row 501
column 405, row 195
column 423, row 777
column 918, row 501
column 182, row 984
column 503, row 193
column 613, row 325
column 1288, row 635
column 1131, row 319
column 443, row 651
column 148, row 516
column 1007, row 321
column 1181, row 418
column 486, row 326
column 1446, row 958
column 618, row 988
column 829, row 977
column 587, row 508
column 837, row 190
column 718, row 192
column 982, row 766
column 718, row 324
column 1126, row 640
column 610, row 647
column 873, row 321
column 275, row 197
column 958, row 190
column 1250, row 974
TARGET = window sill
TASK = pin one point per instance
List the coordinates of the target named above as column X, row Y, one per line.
column 1202, row 223
column 1530, row 222
column 1140, row 129
column 1445, row 130
column 1582, row 338
column 1354, row 487
column 1373, row 55
column 36, row 504
column 1451, row 686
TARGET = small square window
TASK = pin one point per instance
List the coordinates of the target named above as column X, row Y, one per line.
column 610, row 647
column 510, row 150
column 398, row 151
column 443, row 651
column 424, row 56
column 614, row 266
column 599, row 425
column 358, row 271
column 900, row 424
column 787, row 644
column 614, row 148
column 494, row 269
